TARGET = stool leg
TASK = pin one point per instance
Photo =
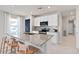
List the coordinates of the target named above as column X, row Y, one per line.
column 11, row 49
column 6, row 49
column 14, row 50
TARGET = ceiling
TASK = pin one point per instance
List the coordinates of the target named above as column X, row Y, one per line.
column 26, row 10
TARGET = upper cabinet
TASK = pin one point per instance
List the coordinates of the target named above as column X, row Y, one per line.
column 43, row 18
column 52, row 20
column 37, row 21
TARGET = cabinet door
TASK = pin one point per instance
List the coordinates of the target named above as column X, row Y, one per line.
column 37, row 21
column 52, row 20
column 54, row 39
column 43, row 18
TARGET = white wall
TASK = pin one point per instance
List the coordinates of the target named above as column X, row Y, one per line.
column 22, row 24
column 71, row 28
column 31, row 22
column 65, row 25
column 2, row 23
column 68, row 27
column 77, row 27
column 60, row 35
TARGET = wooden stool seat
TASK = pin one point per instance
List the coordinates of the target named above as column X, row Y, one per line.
column 13, row 45
column 25, row 52
column 21, row 52
column 31, row 50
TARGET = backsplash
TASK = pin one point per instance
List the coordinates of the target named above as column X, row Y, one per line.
column 39, row 28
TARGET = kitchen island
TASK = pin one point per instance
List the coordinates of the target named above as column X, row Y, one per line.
column 37, row 40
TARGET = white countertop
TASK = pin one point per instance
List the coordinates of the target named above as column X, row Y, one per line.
column 36, row 40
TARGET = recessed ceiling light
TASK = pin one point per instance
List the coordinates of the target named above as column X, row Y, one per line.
column 49, row 7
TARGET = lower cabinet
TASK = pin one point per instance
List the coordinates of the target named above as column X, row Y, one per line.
column 51, row 43
column 54, row 38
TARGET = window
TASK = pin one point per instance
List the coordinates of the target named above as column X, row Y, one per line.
column 14, row 25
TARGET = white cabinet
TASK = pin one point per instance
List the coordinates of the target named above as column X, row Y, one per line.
column 37, row 21
column 53, row 20
column 54, row 38
column 43, row 18
column 40, row 19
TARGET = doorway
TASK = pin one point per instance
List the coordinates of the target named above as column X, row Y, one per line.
column 71, row 27
column 27, row 25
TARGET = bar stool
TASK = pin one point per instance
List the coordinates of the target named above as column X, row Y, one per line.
column 29, row 50
column 3, row 42
column 32, row 49
column 13, row 45
column 22, row 49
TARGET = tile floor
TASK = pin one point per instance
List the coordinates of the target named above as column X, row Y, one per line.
column 66, row 47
